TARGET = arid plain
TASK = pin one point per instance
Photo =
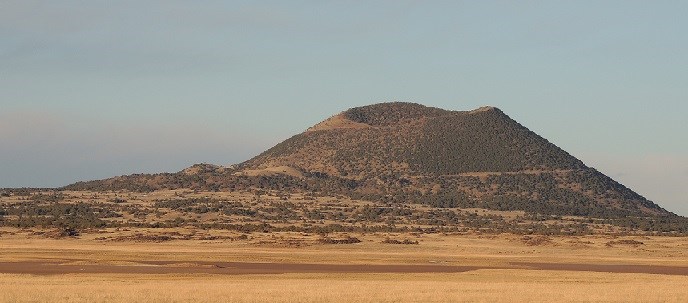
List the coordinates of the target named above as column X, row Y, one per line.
column 189, row 264
column 441, row 268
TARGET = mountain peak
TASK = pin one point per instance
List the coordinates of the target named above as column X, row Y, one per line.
column 486, row 108
column 391, row 113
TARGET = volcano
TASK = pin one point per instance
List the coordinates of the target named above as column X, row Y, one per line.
column 410, row 153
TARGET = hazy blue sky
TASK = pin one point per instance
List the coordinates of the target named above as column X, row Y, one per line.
column 93, row 89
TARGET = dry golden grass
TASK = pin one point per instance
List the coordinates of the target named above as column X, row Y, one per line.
column 338, row 121
column 477, row 286
column 271, row 171
column 483, row 285
column 481, row 250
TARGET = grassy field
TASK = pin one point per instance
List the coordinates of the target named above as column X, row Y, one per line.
column 496, row 277
column 477, row 286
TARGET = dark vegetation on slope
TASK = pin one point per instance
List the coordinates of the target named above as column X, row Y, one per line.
column 486, row 141
column 390, row 114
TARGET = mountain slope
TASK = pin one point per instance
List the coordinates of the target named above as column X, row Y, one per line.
column 480, row 158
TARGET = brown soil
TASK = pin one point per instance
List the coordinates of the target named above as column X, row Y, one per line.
column 227, row 268
column 243, row 268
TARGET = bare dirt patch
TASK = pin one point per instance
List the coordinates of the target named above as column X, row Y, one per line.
column 222, row 268
column 536, row 240
column 247, row 268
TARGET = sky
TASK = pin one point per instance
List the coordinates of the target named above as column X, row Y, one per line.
column 95, row 89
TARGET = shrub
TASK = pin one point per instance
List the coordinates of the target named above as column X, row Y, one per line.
column 347, row 240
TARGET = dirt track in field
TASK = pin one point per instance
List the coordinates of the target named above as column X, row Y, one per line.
column 243, row 268
column 228, row 268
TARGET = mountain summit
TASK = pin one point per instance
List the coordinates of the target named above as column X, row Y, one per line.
column 412, row 140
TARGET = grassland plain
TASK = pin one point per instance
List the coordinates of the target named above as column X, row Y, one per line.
column 515, row 285
column 503, row 268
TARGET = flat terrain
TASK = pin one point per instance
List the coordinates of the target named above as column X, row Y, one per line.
column 258, row 245
column 266, row 267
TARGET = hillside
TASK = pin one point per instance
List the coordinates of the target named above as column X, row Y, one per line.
column 411, row 139
column 401, row 154
column 478, row 158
